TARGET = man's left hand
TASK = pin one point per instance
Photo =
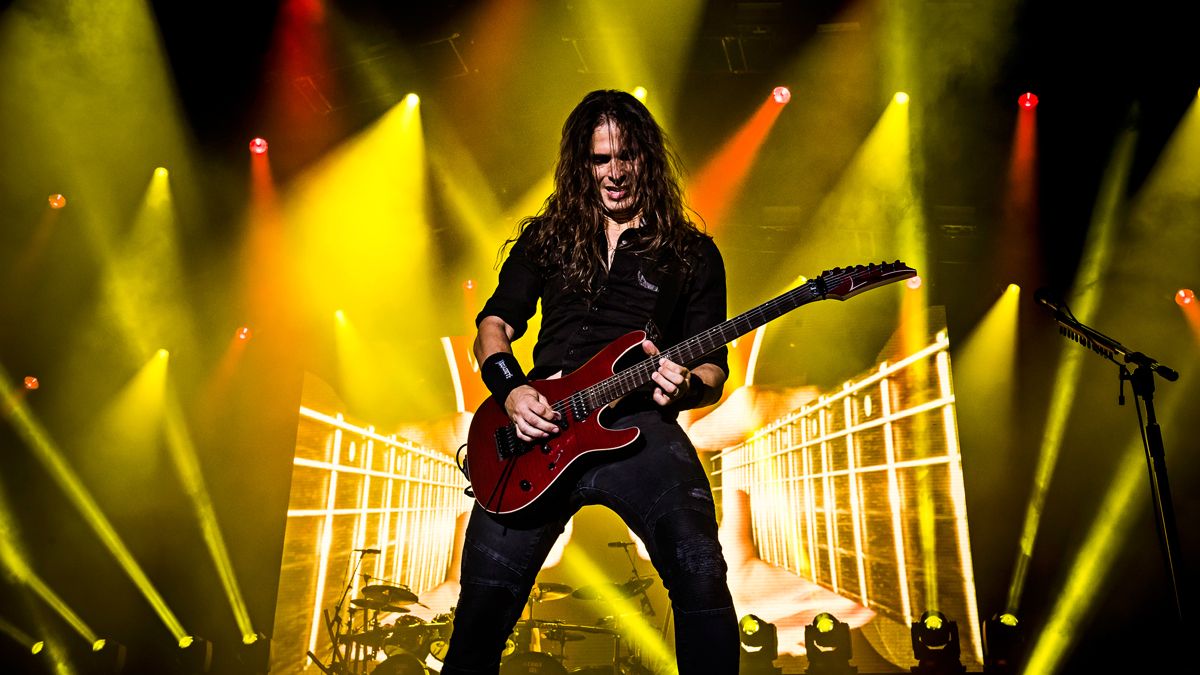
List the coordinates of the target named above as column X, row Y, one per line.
column 672, row 379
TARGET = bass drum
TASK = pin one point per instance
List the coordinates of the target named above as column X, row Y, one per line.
column 532, row 663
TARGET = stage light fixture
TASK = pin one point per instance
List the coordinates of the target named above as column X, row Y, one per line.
column 1028, row 100
column 640, row 93
column 108, row 656
column 195, row 654
column 827, row 642
column 57, row 201
column 258, row 146
column 412, row 100
column 781, row 95
column 469, row 284
column 32, row 383
column 760, row 646
column 244, row 333
column 935, row 645
column 1002, row 642
column 1185, row 296
column 913, row 283
column 254, row 654
column 901, row 97
column 161, row 172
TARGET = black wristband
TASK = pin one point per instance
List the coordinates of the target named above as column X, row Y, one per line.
column 695, row 395
column 501, row 374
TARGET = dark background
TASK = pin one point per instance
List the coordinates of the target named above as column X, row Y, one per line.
column 1100, row 69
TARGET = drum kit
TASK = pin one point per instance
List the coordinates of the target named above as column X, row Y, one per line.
column 389, row 640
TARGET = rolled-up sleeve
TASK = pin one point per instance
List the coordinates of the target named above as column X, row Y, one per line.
column 520, row 285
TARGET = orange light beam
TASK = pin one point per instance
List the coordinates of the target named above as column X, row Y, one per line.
column 717, row 184
column 1191, row 312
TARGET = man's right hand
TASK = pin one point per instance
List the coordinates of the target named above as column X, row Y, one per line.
column 531, row 414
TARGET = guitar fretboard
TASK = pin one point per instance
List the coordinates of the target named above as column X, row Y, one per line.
column 697, row 347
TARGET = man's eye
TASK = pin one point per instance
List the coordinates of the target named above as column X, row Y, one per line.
column 600, row 159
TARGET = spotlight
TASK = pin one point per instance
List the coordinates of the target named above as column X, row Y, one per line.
column 901, row 97
column 57, row 201
column 244, row 333
column 1002, row 641
column 913, row 284
column 935, row 645
column 37, row 647
column 640, row 93
column 781, row 95
column 108, row 656
column 760, row 646
column 1028, row 101
column 254, row 654
column 32, row 383
column 161, row 172
column 469, row 284
column 1185, row 296
column 412, row 100
column 258, row 146
column 827, row 642
column 195, row 654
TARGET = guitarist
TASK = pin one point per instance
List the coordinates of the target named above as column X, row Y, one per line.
column 612, row 251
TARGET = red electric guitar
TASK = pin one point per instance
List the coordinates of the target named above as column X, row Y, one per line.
column 508, row 474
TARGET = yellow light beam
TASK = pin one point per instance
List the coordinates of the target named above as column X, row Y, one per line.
column 1086, row 578
column 48, row 453
column 640, row 632
column 183, row 455
column 1085, row 299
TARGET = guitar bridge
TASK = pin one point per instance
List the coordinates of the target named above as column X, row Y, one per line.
column 507, row 443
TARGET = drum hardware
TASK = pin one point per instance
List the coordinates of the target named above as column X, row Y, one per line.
column 353, row 647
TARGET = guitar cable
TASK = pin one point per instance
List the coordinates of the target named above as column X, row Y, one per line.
column 462, row 466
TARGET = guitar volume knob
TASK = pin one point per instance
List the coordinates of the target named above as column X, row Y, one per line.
column 526, row 486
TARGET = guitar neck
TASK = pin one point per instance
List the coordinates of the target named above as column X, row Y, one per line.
column 693, row 349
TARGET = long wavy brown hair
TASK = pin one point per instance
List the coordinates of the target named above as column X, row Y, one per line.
column 566, row 235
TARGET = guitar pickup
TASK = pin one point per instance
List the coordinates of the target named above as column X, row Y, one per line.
column 507, row 443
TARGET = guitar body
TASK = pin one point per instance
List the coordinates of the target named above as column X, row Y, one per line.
column 507, row 484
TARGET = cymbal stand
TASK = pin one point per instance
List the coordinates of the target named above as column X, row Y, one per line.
column 647, row 606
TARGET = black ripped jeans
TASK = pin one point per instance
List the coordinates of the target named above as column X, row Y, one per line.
column 662, row 493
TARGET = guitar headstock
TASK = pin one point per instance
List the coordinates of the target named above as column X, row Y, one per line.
column 841, row 283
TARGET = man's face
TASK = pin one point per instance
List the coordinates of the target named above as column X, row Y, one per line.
column 614, row 167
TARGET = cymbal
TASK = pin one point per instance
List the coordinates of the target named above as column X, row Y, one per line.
column 547, row 590
column 607, row 591
column 392, row 595
column 377, row 605
column 635, row 586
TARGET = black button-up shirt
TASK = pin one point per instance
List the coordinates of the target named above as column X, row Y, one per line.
column 575, row 327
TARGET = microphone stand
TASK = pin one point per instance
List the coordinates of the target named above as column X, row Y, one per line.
column 1141, row 379
column 337, row 614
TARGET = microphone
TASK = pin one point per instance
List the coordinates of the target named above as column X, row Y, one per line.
column 620, row 544
column 367, row 551
column 1051, row 301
